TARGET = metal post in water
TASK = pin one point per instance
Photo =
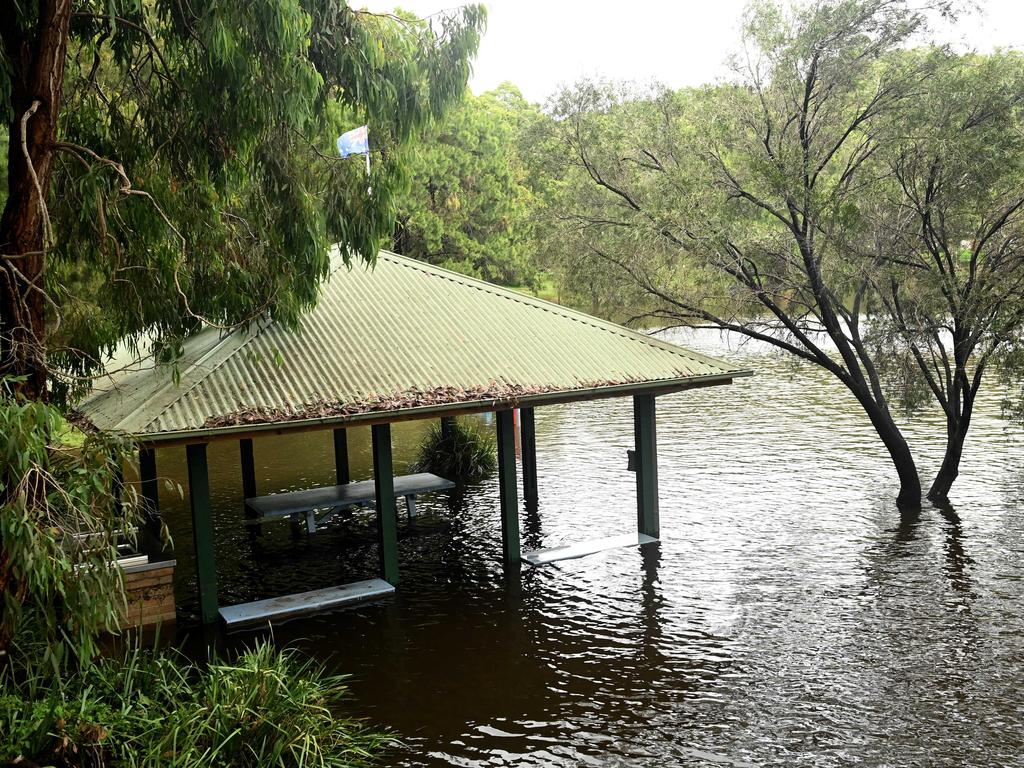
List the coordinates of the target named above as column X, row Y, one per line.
column 646, row 458
column 528, row 431
column 387, row 516
column 248, row 468
column 507, row 489
column 202, row 530
column 341, row 470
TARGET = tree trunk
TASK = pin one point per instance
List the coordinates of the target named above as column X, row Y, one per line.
column 36, row 72
column 909, row 496
column 956, row 434
column 37, row 76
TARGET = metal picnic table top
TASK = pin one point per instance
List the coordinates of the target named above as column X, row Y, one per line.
column 334, row 496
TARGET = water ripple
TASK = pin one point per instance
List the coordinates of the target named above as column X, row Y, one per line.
column 790, row 616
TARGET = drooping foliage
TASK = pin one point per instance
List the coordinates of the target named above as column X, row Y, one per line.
column 470, row 205
column 188, row 167
column 60, row 526
column 171, row 163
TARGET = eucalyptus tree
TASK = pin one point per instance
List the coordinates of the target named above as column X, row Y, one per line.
column 469, row 204
column 171, row 163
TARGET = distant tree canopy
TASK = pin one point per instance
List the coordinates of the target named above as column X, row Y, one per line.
column 170, row 162
column 470, row 205
column 856, row 204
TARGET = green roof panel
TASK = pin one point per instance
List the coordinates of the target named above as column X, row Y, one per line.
column 398, row 336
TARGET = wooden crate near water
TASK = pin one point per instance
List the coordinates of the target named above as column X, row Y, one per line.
column 149, row 588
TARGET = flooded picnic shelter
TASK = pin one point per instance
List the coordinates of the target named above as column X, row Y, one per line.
column 398, row 341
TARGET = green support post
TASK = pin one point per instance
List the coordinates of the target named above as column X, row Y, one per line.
column 248, row 468
column 150, row 487
column 528, row 435
column 341, row 472
column 646, row 465
column 447, row 425
column 507, row 487
column 117, row 485
column 387, row 516
column 149, row 538
column 202, row 530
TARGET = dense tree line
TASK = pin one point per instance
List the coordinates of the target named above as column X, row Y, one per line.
column 471, row 205
column 851, row 197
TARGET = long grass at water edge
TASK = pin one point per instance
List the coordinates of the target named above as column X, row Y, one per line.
column 156, row 708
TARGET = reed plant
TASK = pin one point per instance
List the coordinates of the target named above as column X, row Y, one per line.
column 461, row 452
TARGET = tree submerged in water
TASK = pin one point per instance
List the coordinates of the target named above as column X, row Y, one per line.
column 855, row 204
column 457, row 451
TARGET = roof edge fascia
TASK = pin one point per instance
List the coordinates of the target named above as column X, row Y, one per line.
column 665, row 386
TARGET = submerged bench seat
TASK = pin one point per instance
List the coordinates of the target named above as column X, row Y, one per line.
column 336, row 497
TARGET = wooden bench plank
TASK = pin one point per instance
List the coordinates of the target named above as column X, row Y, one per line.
column 584, row 548
column 261, row 612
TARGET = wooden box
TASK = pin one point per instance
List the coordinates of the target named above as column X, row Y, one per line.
column 149, row 588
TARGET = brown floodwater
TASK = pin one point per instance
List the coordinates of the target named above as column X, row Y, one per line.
column 789, row 616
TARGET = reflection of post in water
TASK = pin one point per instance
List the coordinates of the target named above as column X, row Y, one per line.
column 455, row 501
column 532, row 530
column 906, row 531
column 458, row 523
column 652, row 600
column 513, row 577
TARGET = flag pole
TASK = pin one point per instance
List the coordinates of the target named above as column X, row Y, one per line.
column 369, row 187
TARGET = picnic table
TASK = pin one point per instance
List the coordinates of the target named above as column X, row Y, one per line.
column 332, row 499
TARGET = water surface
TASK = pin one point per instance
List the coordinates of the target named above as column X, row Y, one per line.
column 790, row 615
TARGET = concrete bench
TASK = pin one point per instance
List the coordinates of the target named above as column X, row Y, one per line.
column 333, row 499
column 263, row 612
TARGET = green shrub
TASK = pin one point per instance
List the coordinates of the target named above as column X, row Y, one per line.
column 460, row 453
column 60, row 524
column 148, row 708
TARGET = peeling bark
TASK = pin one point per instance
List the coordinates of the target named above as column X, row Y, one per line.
column 37, row 77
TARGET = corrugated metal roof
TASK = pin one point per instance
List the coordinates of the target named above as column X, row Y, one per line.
column 399, row 335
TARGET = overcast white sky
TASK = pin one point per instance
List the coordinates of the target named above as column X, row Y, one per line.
column 542, row 45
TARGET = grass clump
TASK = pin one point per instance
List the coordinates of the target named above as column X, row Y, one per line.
column 459, row 452
column 156, row 708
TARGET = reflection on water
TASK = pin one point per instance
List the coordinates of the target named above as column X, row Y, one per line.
column 790, row 616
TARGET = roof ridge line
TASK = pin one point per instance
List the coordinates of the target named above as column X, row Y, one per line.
column 547, row 306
